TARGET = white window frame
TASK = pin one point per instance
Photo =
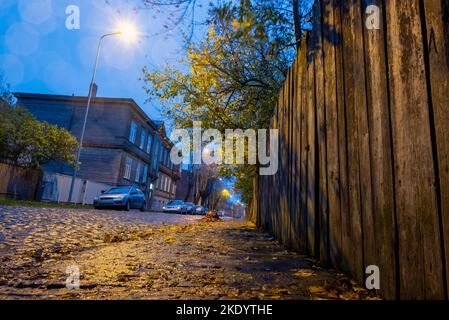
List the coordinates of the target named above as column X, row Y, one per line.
column 133, row 132
column 128, row 167
column 158, row 183
column 145, row 174
column 138, row 169
column 166, row 184
column 143, row 135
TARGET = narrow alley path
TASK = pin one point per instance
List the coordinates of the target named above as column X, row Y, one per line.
column 184, row 260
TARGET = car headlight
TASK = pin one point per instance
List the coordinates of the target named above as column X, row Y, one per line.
column 96, row 199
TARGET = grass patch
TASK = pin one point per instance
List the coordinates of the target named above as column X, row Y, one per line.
column 4, row 201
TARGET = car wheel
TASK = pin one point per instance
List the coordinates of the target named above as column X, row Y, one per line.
column 144, row 206
column 128, row 206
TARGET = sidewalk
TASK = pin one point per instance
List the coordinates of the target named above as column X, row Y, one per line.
column 223, row 260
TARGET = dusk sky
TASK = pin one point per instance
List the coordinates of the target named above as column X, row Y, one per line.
column 39, row 54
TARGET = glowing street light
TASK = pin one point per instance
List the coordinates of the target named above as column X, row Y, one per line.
column 128, row 32
column 225, row 193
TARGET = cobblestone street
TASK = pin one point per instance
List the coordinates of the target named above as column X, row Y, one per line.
column 134, row 255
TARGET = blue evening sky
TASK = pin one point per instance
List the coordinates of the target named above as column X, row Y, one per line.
column 39, row 54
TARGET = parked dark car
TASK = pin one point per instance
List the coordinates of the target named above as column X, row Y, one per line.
column 122, row 198
column 190, row 207
column 175, row 206
column 200, row 210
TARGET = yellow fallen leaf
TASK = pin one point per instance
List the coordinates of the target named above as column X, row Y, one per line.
column 302, row 273
column 314, row 290
column 170, row 239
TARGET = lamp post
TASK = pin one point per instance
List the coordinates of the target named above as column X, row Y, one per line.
column 128, row 32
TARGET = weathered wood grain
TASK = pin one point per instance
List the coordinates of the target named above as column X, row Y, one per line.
column 366, row 162
column 420, row 265
column 332, row 135
column 380, row 249
column 322, row 188
column 437, row 34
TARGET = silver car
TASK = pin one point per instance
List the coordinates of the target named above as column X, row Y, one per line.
column 122, row 198
column 175, row 206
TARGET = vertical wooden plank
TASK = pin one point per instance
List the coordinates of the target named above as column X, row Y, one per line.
column 355, row 103
column 304, row 147
column 343, row 260
column 311, row 151
column 272, row 182
column 437, row 29
column 291, row 166
column 323, row 211
column 330, row 41
column 285, row 163
column 383, row 254
column 420, row 265
column 301, row 149
column 295, row 158
column 278, row 176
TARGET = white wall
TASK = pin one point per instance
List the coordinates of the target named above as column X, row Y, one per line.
column 56, row 188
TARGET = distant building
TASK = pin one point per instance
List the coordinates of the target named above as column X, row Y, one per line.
column 168, row 174
column 189, row 185
column 122, row 145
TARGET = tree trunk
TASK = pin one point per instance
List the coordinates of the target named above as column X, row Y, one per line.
column 297, row 22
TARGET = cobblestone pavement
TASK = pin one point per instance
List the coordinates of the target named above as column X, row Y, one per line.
column 137, row 255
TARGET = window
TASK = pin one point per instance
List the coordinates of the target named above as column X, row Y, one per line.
column 149, row 141
column 156, row 153
column 128, row 165
column 166, row 184
column 161, row 153
column 145, row 174
column 142, row 139
column 133, row 132
column 167, row 157
column 158, row 183
column 139, row 166
column 169, row 185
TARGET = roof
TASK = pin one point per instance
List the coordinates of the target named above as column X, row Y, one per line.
column 83, row 100
column 158, row 123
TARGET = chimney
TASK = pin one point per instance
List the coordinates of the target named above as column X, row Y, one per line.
column 94, row 89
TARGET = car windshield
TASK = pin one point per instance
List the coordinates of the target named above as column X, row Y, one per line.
column 118, row 190
column 174, row 203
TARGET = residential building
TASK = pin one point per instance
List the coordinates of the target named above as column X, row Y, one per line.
column 189, row 184
column 122, row 145
column 168, row 174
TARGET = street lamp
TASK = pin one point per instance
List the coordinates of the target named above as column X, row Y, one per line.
column 129, row 34
column 225, row 193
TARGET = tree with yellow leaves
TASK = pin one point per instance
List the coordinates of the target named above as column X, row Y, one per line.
column 231, row 78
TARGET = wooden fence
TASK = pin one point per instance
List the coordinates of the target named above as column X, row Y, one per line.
column 19, row 183
column 364, row 145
